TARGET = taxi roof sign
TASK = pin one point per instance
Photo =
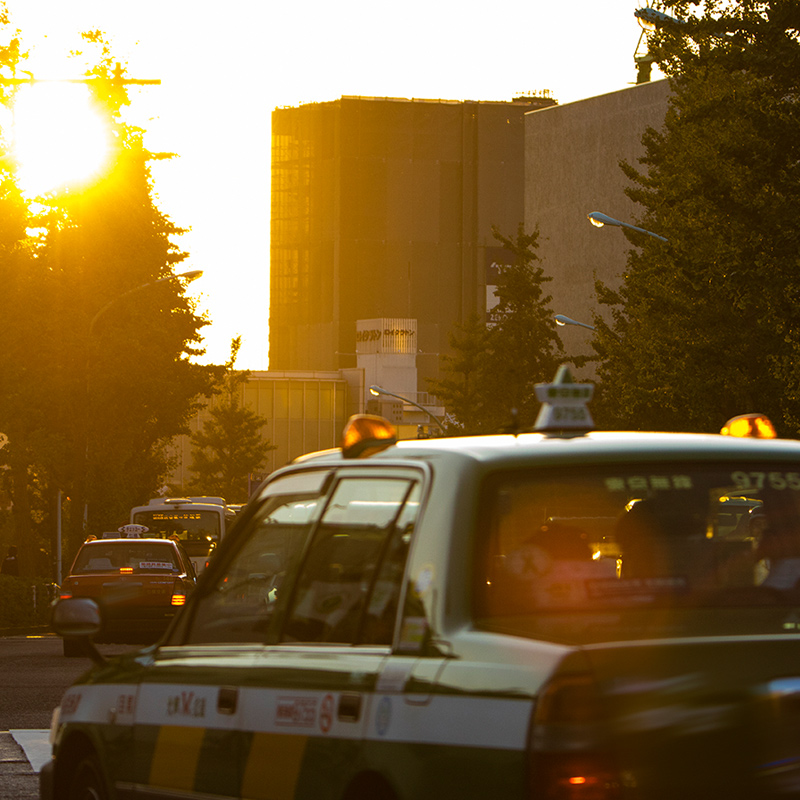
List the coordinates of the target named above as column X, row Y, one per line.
column 564, row 403
column 132, row 530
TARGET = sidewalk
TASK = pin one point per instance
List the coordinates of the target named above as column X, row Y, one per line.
column 18, row 780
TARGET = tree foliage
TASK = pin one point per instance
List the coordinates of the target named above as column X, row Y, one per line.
column 461, row 385
column 489, row 381
column 707, row 325
column 229, row 446
column 97, row 335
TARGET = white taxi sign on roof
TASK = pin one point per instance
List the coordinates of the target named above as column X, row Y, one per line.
column 564, row 403
column 132, row 531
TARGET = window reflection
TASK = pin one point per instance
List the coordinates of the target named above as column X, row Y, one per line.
column 582, row 554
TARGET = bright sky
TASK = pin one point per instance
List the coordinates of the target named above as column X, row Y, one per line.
column 224, row 67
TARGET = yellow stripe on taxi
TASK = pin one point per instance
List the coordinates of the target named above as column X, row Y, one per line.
column 273, row 766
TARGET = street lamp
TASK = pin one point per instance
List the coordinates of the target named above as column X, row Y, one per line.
column 562, row 320
column 650, row 19
column 189, row 276
column 598, row 220
column 377, row 390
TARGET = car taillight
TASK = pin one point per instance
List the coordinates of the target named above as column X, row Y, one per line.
column 178, row 596
column 64, row 595
column 573, row 776
column 568, row 754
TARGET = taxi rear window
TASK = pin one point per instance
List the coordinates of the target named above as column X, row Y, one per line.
column 121, row 556
column 630, row 551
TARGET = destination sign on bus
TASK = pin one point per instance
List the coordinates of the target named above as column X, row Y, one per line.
column 169, row 516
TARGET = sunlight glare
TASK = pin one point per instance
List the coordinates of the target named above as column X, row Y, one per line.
column 59, row 139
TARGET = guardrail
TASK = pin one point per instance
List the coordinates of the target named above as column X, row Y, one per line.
column 25, row 602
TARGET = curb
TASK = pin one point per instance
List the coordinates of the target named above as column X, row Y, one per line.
column 30, row 630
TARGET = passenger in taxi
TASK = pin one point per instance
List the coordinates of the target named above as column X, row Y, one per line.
column 551, row 568
column 660, row 540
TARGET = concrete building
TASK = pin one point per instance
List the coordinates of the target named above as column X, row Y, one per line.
column 382, row 209
column 572, row 156
column 304, row 412
column 381, row 240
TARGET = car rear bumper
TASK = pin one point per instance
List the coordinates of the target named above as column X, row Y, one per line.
column 122, row 625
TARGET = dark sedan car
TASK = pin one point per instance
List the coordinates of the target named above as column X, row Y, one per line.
column 138, row 583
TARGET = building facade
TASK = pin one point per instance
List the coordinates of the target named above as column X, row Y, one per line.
column 302, row 411
column 572, row 157
column 382, row 218
column 382, row 209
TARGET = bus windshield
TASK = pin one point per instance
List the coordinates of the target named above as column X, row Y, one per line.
column 193, row 526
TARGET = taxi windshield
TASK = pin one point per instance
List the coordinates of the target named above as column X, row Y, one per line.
column 125, row 556
column 627, row 551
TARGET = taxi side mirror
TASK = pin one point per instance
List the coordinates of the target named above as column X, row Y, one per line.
column 78, row 618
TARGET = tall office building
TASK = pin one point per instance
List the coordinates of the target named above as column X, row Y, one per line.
column 382, row 216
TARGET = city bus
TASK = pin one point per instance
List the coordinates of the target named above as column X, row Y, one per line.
column 198, row 522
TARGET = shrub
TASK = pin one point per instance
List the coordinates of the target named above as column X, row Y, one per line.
column 24, row 602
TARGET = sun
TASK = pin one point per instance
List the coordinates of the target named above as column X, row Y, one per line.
column 58, row 138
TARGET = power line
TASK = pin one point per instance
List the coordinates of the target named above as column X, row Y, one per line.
column 116, row 80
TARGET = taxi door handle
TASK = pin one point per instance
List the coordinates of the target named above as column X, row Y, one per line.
column 226, row 699
column 349, row 707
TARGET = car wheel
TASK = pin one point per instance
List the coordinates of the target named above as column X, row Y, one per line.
column 86, row 782
column 73, row 648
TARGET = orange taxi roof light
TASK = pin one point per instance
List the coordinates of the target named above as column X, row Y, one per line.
column 365, row 434
column 754, row 426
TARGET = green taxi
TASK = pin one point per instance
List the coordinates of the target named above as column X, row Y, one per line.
column 562, row 614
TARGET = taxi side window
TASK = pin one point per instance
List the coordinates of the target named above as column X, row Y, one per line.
column 186, row 563
column 381, row 614
column 239, row 607
column 349, row 585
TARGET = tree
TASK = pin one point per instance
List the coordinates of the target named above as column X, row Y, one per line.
column 460, row 389
column 97, row 378
column 490, row 380
column 131, row 385
column 230, row 446
column 27, row 362
column 708, row 325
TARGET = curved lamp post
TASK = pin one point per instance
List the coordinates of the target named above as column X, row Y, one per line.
column 562, row 320
column 189, row 276
column 598, row 220
column 650, row 19
column 377, row 390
